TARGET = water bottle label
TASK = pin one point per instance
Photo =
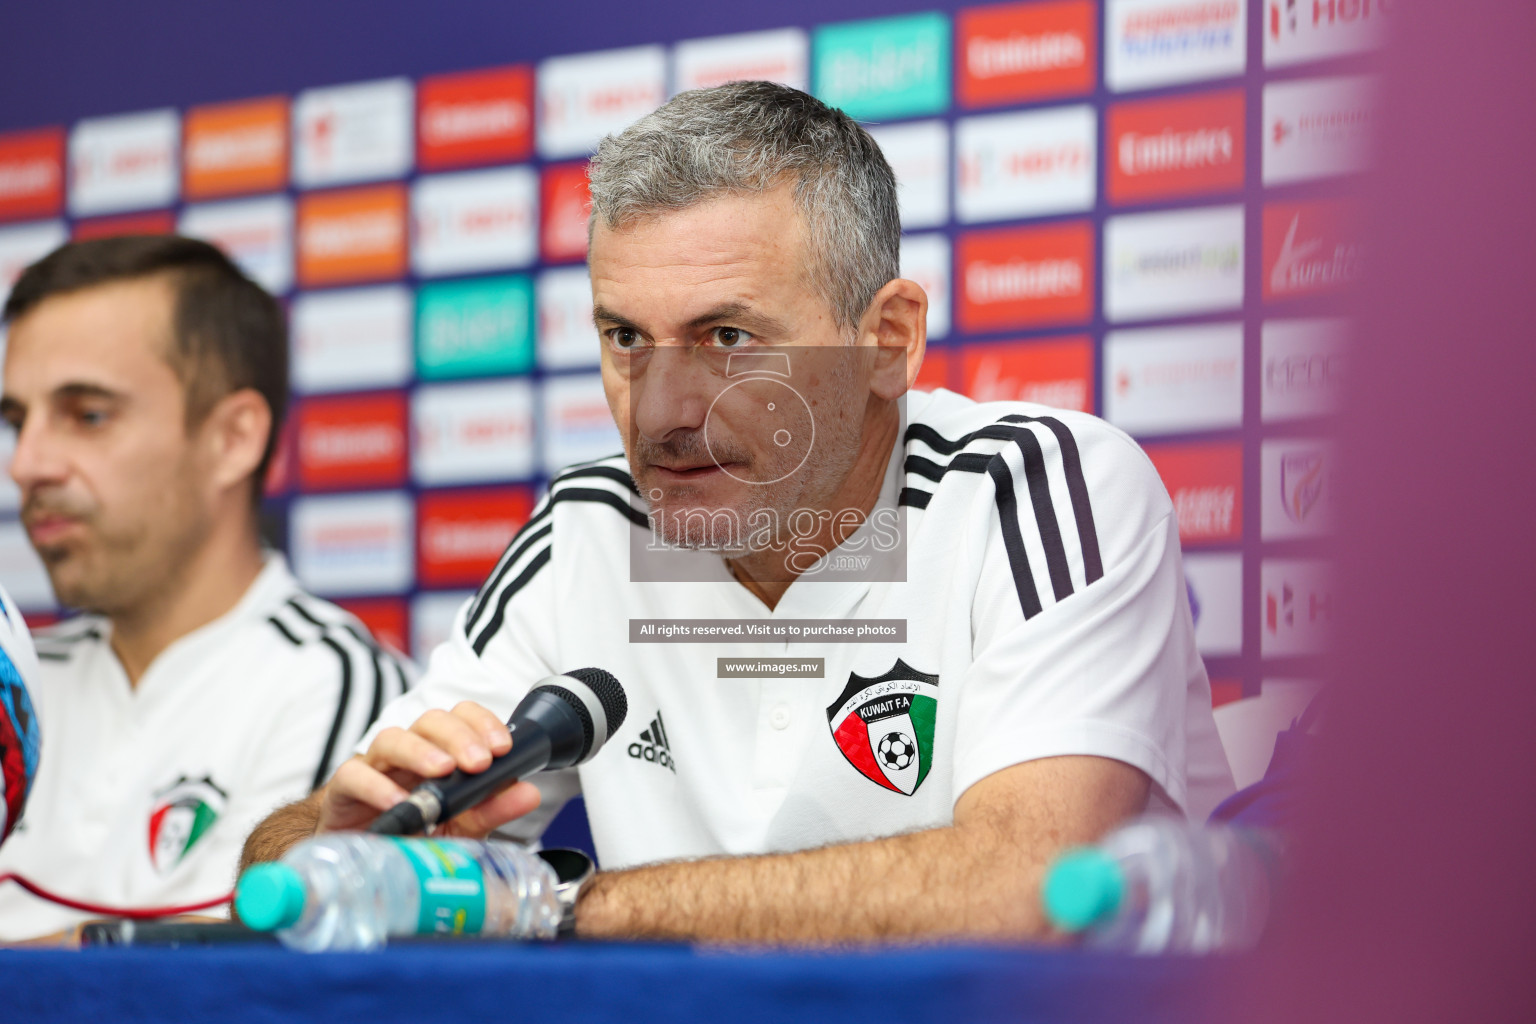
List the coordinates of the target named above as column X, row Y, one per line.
column 452, row 886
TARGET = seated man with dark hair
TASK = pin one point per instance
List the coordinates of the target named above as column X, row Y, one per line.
column 146, row 380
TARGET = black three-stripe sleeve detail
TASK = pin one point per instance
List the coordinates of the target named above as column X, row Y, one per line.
column 1013, row 539
column 519, row 543
column 1077, row 489
column 1045, row 512
column 532, row 533
column 913, row 497
column 516, row 550
column 378, row 675
column 287, row 634
column 602, row 472
column 342, row 701
column 534, row 565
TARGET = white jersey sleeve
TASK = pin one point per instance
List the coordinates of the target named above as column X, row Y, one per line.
column 1082, row 636
column 499, row 648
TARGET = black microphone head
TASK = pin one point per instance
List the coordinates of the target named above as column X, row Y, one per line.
column 609, row 694
column 597, row 700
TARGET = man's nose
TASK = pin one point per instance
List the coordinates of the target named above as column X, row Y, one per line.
column 675, row 393
column 37, row 458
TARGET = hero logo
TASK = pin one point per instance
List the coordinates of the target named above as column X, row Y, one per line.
column 1303, row 30
column 1303, row 367
column 1014, row 165
column 1310, row 254
column 1054, row 373
column 1160, row 42
column 925, row 259
column 919, row 155
column 1297, row 606
column 22, row 246
column 580, row 424
column 777, row 56
column 475, row 220
column 353, row 133
column 473, row 432
column 566, row 336
column 352, row 339
column 583, row 98
column 123, row 163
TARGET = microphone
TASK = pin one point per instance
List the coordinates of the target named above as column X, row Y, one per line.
column 562, row 722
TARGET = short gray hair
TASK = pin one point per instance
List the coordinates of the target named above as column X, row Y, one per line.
column 747, row 137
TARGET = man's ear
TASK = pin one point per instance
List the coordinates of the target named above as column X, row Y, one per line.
column 896, row 323
column 235, row 436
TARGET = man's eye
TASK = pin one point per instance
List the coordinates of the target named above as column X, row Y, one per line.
column 731, row 337
column 93, row 417
column 623, row 337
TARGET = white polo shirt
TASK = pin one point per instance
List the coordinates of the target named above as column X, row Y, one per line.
column 1045, row 612
column 146, row 794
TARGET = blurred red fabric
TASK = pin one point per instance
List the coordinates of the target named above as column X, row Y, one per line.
column 1416, row 891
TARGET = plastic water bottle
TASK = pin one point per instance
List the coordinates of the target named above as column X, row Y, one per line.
column 1164, row 885
column 351, row 891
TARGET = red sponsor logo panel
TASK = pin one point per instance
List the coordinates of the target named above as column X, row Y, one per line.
column 1310, row 248
column 352, row 235
column 461, row 534
column 564, row 202
column 475, row 117
column 1011, row 53
column 352, row 441
column 385, row 617
column 31, row 173
column 1026, row 277
column 160, row 223
column 1205, row 482
column 1186, row 146
column 1058, row 372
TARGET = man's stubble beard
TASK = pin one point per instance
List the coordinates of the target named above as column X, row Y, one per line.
column 726, row 528
column 130, row 567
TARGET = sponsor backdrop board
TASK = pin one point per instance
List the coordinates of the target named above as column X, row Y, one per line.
column 1136, row 208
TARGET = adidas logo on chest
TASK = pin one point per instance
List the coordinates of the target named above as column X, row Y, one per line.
column 653, row 745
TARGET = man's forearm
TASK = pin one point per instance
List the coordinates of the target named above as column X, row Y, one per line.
column 976, row 879
column 944, row 883
column 281, row 829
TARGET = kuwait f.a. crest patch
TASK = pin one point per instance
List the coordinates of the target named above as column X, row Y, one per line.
column 182, row 814
column 884, row 726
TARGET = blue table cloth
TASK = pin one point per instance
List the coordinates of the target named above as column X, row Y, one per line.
column 578, row 982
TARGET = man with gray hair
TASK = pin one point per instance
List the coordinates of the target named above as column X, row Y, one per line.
column 886, row 653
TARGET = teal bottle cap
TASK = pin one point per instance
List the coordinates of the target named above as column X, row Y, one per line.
column 269, row 897
column 1083, row 886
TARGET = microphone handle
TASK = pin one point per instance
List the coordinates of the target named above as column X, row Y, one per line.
column 437, row 800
